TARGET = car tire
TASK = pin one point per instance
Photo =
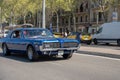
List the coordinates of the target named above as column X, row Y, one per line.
column 107, row 43
column 32, row 55
column 89, row 42
column 5, row 50
column 118, row 42
column 67, row 56
column 95, row 41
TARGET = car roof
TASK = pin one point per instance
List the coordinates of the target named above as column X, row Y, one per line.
column 29, row 29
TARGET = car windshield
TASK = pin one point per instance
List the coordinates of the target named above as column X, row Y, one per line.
column 37, row 33
column 86, row 34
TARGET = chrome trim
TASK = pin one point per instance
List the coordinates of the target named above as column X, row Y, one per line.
column 55, row 49
column 70, row 44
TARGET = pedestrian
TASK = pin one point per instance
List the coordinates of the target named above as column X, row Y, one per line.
column 65, row 34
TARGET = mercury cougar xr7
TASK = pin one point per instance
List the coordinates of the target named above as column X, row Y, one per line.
column 37, row 41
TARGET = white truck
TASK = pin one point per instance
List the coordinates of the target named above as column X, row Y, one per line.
column 108, row 33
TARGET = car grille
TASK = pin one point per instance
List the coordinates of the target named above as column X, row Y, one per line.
column 70, row 44
column 51, row 45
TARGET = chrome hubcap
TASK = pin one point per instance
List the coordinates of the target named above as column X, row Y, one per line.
column 30, row 53
column 4, row 49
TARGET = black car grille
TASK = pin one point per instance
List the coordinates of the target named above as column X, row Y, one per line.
column 70, row 44
column 51, row 45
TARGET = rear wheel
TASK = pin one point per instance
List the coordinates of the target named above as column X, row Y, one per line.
column 118, row 42
column 5, row 50
column 95, row 41
column 32, row 55
column 67, row 56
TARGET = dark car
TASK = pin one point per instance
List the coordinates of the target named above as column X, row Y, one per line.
column 35, row 42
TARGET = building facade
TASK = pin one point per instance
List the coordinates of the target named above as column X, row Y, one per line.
column 88, row 16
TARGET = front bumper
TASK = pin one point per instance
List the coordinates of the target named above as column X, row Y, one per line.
column 55, row 51
column 85, row 41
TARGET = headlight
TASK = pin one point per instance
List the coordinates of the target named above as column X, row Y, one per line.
column 47, row 45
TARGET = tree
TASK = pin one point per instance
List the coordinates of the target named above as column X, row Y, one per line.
column 71, row 7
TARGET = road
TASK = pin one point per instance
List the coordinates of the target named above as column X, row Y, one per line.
column 88, row 63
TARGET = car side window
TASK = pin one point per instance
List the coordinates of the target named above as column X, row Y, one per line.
column 16, row 34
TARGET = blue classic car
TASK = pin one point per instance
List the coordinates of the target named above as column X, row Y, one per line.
column 35, row 42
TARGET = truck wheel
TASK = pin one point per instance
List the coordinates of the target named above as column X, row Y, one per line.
column 95, row 41
column 32, row 55
column 118, row 42
column 5, row 50
column 67, row 56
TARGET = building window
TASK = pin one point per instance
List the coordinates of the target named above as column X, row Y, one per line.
column 71, row 20
column 66, row 21
column 86, row 18
column 76, row 19
column 81, row 19
column 76, row 10
column 81, row 7
column 63, row 21
column 100, row 16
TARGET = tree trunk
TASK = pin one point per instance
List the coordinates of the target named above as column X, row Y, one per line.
column 74, row 22
column 57, row 22
column 24, row 19
column 39, row 19
column 110, row 14
column 1, row 19
column 69, row 24
column 33, row 18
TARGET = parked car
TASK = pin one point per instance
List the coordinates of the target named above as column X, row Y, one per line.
column 35, row 42
column 86, row 38
column 74, row 35
column 108, row 33
column 57, row 35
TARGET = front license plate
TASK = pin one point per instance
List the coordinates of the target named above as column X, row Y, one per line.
column 60, row 53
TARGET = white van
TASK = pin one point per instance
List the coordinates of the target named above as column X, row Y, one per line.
column 108, row 33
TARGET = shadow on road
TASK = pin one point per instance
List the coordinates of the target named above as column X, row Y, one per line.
column 23, row 58
column 99, row 54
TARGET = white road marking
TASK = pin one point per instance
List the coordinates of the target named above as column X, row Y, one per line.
column 97, row 56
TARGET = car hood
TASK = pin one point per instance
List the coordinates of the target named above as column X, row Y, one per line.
column 49, row 39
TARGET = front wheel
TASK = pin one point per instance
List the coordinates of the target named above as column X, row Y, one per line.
column 67, row 56
column 32, row 55
column 89, row 42
column 5, row 50
column 95, row 41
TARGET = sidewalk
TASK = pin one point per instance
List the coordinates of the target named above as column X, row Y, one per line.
column 99, row 52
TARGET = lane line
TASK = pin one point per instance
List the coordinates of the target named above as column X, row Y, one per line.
column 97, row 56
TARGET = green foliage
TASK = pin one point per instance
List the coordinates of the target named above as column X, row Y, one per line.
column 17, row 8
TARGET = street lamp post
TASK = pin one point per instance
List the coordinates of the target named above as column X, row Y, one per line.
column 0, row 19
column 43, row 14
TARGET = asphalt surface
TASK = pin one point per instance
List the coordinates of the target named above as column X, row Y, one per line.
column 89, row 63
